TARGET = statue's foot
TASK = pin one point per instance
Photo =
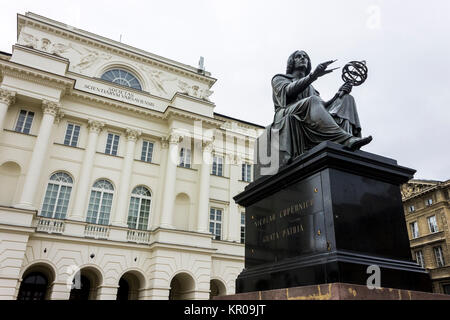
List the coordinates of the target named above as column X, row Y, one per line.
column 355, row 143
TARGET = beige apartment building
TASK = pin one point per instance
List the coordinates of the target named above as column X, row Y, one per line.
column 427, row 212
column 117, row 177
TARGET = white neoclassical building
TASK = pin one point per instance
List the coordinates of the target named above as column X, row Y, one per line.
column 116, row 176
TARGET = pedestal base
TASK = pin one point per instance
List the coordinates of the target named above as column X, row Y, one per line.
column 335, row 291
column 332, row 215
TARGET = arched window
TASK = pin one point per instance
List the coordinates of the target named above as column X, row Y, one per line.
column 122, row 77
column 57, row 196
column 100, row 202
column 139, row 208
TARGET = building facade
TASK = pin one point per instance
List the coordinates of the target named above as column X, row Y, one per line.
column 427, row 212
column 116, row 176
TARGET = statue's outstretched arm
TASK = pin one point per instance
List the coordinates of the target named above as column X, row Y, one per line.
column 297, row 86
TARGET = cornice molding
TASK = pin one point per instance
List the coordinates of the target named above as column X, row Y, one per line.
column 173, row 112
column 36, row 76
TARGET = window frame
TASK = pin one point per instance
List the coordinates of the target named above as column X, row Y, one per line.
column 216, row 222
column 183, row 158
column 72, row 134
column 100, row 202
column 27, row 112
column 216, row 165
column 58, row 195
column 440, row 262
column 140, row 197
column 434, row 228
column 111, row 151
column 111, row 71
column 147, row 152
column 247, row 172
column 414, row 230
column 419, row 256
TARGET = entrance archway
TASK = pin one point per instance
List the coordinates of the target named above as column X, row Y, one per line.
column 182, row 287
column 33, row 287
column 36, row 283
column 129, row 285
column 217, row 288
column 85, row 284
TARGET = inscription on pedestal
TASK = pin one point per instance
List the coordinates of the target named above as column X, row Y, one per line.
column 286, row 224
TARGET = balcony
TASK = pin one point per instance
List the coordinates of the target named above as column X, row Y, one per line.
column 138, row 236
column 50, row 225
column 96, row 231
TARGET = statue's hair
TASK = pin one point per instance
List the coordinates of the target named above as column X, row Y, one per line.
column 291, row 63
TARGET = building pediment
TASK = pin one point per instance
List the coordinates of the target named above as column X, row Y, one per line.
column 416, row 187
column 91, row 55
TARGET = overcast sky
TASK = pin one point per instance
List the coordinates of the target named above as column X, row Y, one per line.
column 404, row 104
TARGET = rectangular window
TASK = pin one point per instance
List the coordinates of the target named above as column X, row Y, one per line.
column 246, row 172
column 414, row 229
column 429, row 202
column 112, row 143
column 24, row 121
column 412, row 209
column 72, row 134
column 432, row 224
column 419, row 258
column 185, row 158
column 242, row 227
column 439, row 256
column 215, row 223
column 147, row 151
column 217, row 166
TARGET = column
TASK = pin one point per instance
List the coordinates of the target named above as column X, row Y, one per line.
column 203, row 192
column 169, row 181
column 84, row 180
column 7, row 98
column 50, row 110
column 120, row 218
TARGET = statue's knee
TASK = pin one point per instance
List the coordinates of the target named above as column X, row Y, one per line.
column 348, row 98
column 315, row 98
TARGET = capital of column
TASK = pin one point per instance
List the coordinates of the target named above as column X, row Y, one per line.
column 175, row 137
column 7, row 96
column 207, row 145
column 233, row 158
column 95, row 126
column 132, row 134
column 59, row 116
column 51, row 107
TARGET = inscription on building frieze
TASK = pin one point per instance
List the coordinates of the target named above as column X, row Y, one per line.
column 119, row 94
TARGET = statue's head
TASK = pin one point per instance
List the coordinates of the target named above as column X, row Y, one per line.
column 291, row 62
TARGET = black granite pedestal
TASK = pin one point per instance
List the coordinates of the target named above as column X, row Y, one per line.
column 326, row 218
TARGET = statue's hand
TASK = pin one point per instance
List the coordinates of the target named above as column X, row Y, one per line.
column 321, row 69
column 346, row 88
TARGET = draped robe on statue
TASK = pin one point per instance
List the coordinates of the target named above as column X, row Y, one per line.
column 302, row 121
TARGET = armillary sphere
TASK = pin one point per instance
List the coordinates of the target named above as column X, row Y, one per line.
column 355, row 72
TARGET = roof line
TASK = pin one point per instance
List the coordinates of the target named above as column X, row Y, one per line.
column 239, row 120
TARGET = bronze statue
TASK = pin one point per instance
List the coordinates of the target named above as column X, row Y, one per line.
column 302, row 119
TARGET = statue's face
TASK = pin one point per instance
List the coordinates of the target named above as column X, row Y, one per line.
column 301, row 60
